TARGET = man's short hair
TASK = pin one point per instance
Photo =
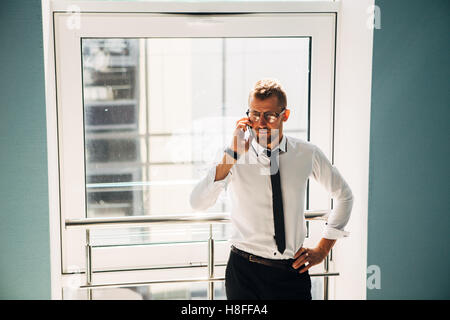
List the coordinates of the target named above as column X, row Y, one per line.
column 266, row 88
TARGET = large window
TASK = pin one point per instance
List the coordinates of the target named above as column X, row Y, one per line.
column 156, row 111
column 146, row 103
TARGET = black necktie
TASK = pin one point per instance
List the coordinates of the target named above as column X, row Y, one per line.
column 277, row 200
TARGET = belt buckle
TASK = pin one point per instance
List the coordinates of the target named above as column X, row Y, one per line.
column 251, row 258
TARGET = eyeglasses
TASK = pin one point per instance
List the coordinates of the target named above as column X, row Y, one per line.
column 270, row 117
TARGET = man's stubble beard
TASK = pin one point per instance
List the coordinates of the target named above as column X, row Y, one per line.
column 267, row 141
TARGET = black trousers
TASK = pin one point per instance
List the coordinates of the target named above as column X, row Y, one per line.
column 245, row 280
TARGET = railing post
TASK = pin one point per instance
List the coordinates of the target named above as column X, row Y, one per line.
column 210, row 264
column 88, row 262
column 325, row 279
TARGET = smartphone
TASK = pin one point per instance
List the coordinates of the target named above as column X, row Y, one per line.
column 250, row 131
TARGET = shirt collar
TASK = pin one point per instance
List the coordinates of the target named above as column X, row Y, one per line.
column 260, row 149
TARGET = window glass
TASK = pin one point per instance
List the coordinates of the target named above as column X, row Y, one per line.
column 158, row 111
column 171, row 291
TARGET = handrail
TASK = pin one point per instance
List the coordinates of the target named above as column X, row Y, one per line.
column 223, row 217
column 89, row 223
column 209, row 280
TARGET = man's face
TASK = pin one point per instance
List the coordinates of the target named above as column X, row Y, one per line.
column 265, row 131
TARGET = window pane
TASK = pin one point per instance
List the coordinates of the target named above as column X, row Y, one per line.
column 157, row 112
column 170, row 291
column 160, row 234
column 317, row 288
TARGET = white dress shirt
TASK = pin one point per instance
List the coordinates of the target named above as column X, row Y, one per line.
column 250, row 191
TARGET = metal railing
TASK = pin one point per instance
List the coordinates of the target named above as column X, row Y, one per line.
column 203, row 218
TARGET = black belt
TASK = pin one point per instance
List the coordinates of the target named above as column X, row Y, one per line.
column 282, row 264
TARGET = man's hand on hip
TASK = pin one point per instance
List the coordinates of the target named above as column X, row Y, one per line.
column 314, row 256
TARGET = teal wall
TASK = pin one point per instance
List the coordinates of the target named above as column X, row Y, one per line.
column 24, row 227
column 409, row 206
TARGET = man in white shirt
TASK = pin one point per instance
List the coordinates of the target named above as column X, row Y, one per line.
column 266, row 176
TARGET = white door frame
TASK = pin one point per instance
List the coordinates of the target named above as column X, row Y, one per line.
column 351, row 119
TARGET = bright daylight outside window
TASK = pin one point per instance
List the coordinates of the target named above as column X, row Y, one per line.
column 157, row 112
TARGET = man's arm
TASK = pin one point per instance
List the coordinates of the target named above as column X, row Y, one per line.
column 329, row 177
column 223, row 168
column 206, row 192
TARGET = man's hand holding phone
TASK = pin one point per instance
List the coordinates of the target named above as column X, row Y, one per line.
column 239, row 143
column 239, row 146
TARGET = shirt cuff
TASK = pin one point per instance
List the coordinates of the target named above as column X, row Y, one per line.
column 333, row 233
column 220, row 184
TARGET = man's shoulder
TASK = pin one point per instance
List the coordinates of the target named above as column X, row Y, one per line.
column 298, row 144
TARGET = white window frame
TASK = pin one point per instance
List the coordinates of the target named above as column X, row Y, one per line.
column 344, row 154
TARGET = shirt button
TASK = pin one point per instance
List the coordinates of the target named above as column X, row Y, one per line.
column 274, row 253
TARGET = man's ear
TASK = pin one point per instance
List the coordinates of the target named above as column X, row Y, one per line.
column 286, row 114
